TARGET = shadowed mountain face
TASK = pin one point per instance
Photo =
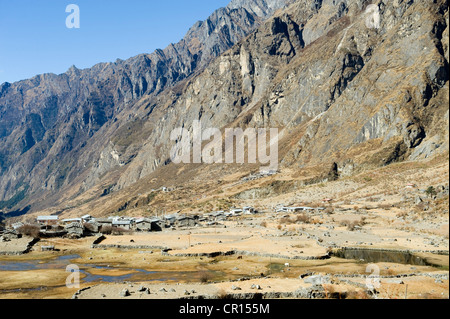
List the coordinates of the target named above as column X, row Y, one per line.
column 346, row 83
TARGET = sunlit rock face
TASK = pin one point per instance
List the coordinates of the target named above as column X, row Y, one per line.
column 347, row 82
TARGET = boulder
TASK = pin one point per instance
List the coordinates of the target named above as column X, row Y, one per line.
column 317, row 280
column 306, row 274
column 124, row 293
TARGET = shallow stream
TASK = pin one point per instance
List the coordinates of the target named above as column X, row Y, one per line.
column 376, row 256
column 132, row 274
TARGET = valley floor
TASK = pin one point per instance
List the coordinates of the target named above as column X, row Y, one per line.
column 390, row 226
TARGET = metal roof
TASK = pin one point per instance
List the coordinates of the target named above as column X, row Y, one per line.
column 47, row 218
column 71, row 220
column 218, row 213
column 121, row 222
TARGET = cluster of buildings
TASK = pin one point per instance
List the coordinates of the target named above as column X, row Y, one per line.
column 294, row 209
column 53, row 226
column 87, row 225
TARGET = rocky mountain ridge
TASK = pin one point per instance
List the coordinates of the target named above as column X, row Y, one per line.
column 344, row 93
column 45, row 121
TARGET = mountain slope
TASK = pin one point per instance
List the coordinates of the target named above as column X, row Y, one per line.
column 47, row 122
column 344, row 94
column 369, row 88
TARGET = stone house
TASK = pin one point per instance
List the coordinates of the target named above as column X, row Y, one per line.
column 93, row 226
column 170, row 220
column 74, row 230
column 47, row 221
column 143, row 224
column 104, row 222
column 185, row 221
column 122, row 223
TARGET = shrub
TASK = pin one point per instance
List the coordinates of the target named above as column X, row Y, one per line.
column 119, row 231
column 107, row 230
column 390, row 272
column 421, row 207
column 431, row 192
column 204, row 277
column 303, row 218
column 264, row 224
column 222, row 294
column 402, row 214
column 385, row 206
column 329, row 290
column 30, row 230
column 351, row 226
column 357, row 295
column 286, row 221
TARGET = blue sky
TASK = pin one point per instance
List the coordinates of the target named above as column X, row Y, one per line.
column 34, row 38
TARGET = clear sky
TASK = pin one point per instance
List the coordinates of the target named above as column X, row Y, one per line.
column 34, row 38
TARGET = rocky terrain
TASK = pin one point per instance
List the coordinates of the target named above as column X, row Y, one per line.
column 358, row 91
column 387, row 218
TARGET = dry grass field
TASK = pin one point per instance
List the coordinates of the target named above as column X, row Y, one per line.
column 376, row 209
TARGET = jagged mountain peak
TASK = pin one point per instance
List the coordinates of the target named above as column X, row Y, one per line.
column 261, row 8
column 338, row 90
column 45, row 119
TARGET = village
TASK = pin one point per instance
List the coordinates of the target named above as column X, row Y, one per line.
column 317, row 243
column 86, row 225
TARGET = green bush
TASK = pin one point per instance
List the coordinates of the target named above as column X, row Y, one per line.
column 431, row 191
